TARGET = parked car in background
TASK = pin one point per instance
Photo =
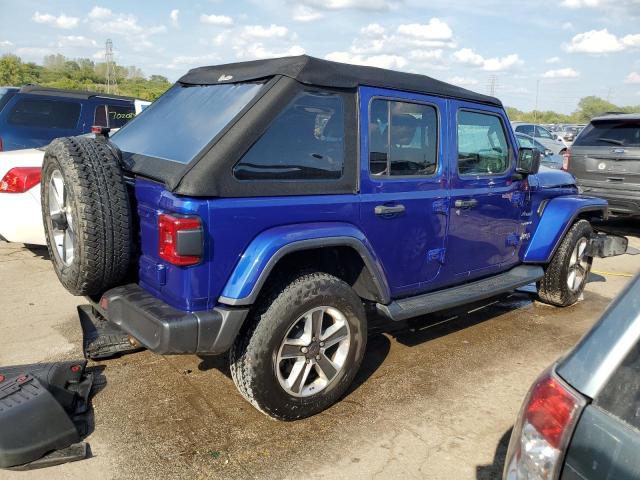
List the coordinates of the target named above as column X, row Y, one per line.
column 605, row 159
column 542, row 135
column 581, row 418
column 568, row 133
column 547, row 157
column 20, row 206
column 32, row 116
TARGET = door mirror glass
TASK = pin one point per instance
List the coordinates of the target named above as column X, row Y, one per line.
column 528, row 161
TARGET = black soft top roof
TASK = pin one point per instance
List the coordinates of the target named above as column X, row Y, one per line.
column 324, row 73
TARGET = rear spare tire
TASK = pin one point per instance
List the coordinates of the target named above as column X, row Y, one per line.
column 86, row 214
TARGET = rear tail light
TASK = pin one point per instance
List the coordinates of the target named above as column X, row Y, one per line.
column 543, row 430
column 180, row 239
column 20, row 179
column 566, row 158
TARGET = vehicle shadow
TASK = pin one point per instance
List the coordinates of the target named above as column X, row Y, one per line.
column 620, row 226
column 38, row 250
column 410, row 333
column 494, row 470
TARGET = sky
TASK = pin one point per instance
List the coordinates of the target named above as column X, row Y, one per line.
column 545, row 53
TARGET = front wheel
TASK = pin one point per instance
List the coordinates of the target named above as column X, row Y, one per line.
column 302, row 348
column 566, row 275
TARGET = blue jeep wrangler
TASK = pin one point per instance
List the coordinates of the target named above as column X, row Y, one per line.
column 258, row 207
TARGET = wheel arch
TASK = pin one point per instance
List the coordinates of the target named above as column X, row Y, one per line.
column 557, row 217
column 339, row 249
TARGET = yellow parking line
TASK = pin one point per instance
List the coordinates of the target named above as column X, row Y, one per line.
column 613, row 274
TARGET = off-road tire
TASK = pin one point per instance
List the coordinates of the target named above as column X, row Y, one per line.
column 252, row 356
column 553, row 288
column 100, row 210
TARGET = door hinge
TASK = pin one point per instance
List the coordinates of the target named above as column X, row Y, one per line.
column 441, row 206
column 436, row 255
column 513, row 239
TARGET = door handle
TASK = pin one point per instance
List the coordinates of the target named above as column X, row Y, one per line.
column 470, row 203
column 384, row 210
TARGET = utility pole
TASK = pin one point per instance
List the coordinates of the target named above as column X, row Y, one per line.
column 535, row 110
column 492, row 84
column 112, row 82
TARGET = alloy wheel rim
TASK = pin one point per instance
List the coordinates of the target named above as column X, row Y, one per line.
column 313, row 352
column 62, row 227
column 578, row 266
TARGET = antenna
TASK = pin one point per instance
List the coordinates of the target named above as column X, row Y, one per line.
column 112, row 82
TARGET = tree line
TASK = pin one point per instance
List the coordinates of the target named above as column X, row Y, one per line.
column 588, row 107
column 58, row 71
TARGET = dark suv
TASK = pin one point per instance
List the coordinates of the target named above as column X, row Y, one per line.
column 259, row 207
column 605, row 159
column 581, row 418
column 32, row 116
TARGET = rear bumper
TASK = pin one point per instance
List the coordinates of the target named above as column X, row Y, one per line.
column 166, row 330
column 21, row 217
column 621, row 201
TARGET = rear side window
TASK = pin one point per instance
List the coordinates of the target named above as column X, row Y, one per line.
column 45, row 114
column 526, row 129
column 113, row 116
column 5, row 96
column 183, row 121
column 403, row 139
column 304, row 142
column 482, row 144
column 610, row 133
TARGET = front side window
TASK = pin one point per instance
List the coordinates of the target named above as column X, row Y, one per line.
column 113, row 116
column 45, row 114
column 403, row 139
column 482, row 144
column 304, row 142
column 180, row 124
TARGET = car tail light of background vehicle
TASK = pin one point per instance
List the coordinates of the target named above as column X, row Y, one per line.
column 543, row 430
column 1, row 145
column 180, row 239
column 20, row 179
column 566, row 158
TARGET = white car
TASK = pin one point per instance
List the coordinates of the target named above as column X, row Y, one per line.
column 20, row 210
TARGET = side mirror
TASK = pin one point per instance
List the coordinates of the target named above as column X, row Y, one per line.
column 528, row 161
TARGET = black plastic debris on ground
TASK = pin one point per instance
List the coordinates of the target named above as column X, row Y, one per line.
column 45, row 413
column 100, row 338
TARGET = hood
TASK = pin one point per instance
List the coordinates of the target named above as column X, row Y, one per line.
column 552, row 178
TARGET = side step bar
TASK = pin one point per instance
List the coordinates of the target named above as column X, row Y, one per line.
column 462, row 294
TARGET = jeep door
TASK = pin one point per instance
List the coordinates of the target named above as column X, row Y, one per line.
column 486, row 201
column 403, row 184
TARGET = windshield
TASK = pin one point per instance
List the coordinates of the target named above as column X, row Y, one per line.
column 623, row 133
column 184, row 120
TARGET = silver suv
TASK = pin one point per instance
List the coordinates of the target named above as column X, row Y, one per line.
column 605, row 159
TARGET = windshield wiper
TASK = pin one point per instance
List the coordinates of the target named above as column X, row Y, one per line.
column 612, row 140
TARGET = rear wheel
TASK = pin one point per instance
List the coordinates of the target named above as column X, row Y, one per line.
column 566, row 275
column 302, row 348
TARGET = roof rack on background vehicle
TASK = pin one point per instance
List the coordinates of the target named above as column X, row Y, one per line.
column 37, row 89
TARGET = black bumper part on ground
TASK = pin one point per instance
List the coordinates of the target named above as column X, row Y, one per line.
column 166, row 330
column 43, row 414
column 607, row 245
